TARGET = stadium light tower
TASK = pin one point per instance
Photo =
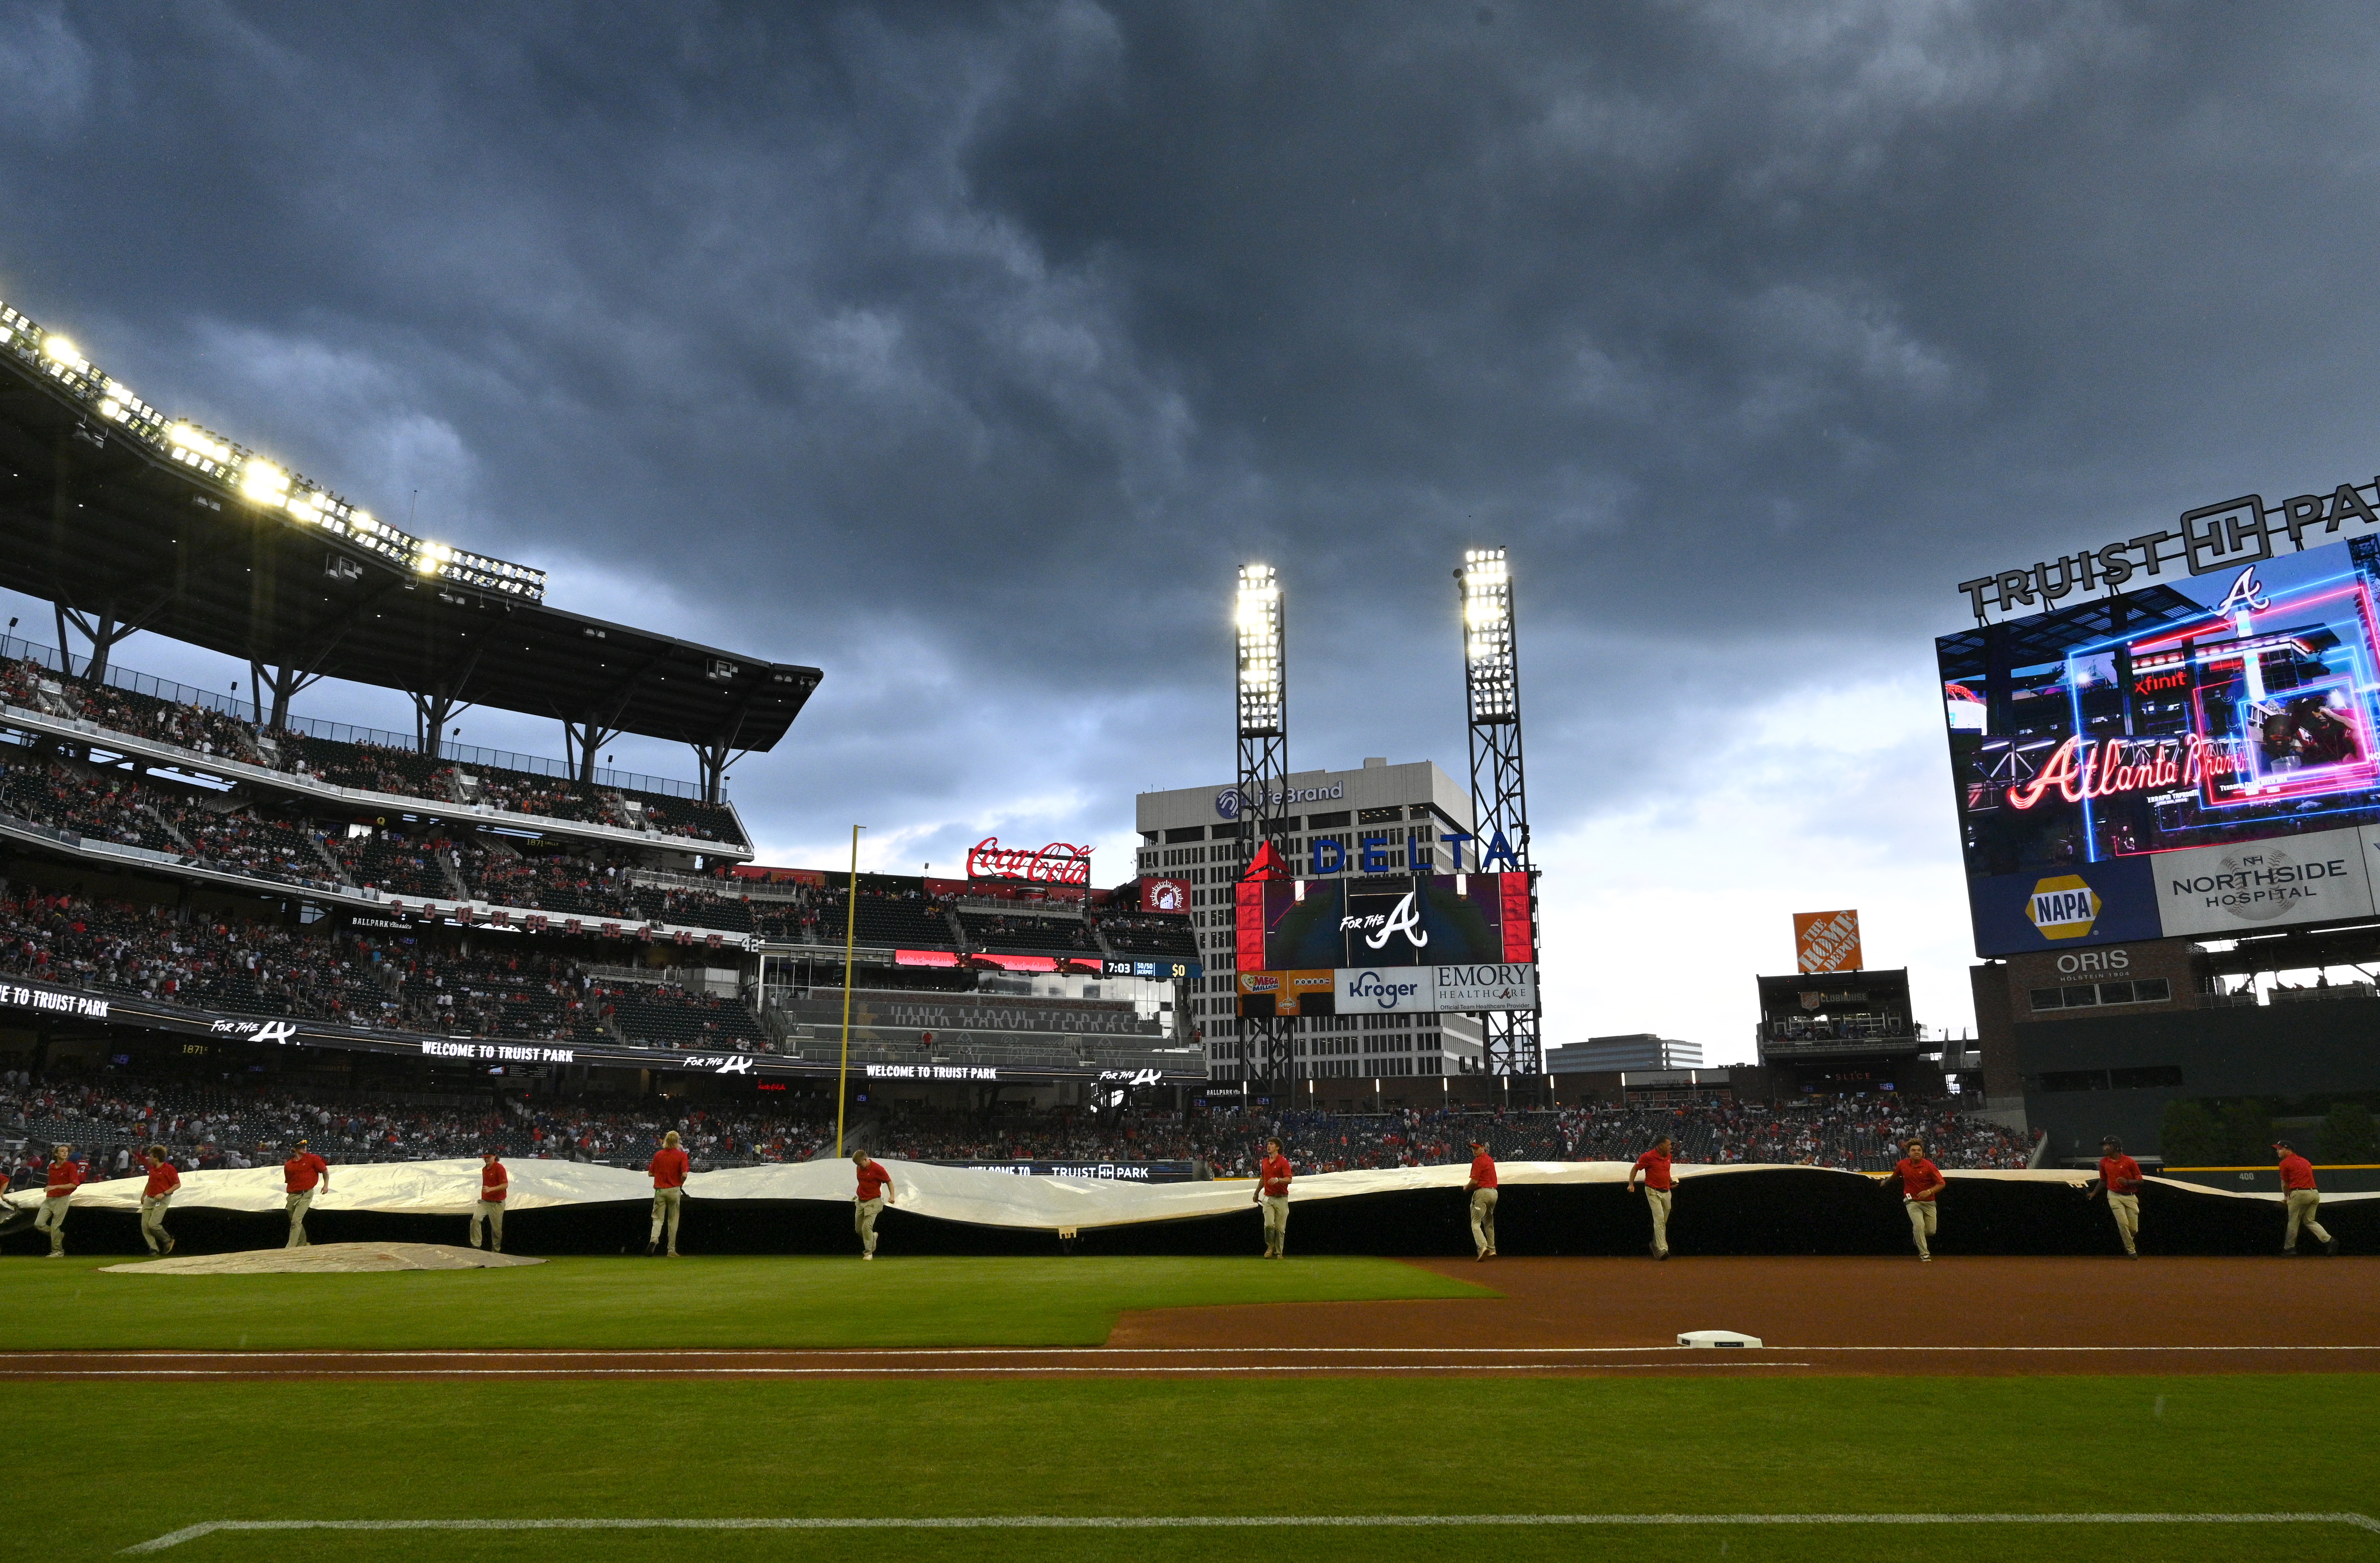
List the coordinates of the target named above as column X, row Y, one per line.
column 1492, row 682
column 1263, row 776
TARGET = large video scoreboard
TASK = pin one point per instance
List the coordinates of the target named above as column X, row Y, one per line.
column 2197, row 758
column 1409, row 943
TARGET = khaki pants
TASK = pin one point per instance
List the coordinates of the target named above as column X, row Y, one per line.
column 491, row 1211
column 1658, row 1202
column 863, row 1222
column 52, row 1220
column 153, row 1222
column 1483, row 1220
column 2302, row 1204
column 665, row 1208
column 1922, row 1220
column 2126, row 1209
column 1276, row 1223
column 298, row 1203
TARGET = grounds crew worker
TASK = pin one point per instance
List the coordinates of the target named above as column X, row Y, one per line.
column 874, row 1193
column 305, row 1170
column 1482, row 1190
column 1919, row 1182
column 1654, row 1168
column 66, row 1176
column 2298, row 1193
column 668, row 1167
column 164, row 1179
column 494, row 1183
column 1272, row 1193
column 2119, row 1175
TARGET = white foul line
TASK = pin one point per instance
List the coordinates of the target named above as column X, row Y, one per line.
column 1238, row 1521
column 1251, row 1369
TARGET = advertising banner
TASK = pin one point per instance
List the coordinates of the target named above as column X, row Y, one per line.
column 1826, row 941
column 2217, row 730
column 1372, row 990
column 2230, row 890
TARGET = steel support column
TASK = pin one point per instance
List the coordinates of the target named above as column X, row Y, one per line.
column 1262, row 784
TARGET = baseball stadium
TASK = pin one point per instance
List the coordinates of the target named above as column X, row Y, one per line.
column 417, row 1147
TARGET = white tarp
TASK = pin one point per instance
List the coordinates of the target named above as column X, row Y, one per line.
column 951, row 1193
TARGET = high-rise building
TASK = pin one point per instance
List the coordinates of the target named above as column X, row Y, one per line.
column 1192, row 833
column 1605, row 1055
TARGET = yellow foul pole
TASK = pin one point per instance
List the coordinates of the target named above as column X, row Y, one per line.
column 850, row 943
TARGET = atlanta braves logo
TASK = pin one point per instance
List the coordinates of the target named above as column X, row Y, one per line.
column 2247, row 592
column 1406, row 920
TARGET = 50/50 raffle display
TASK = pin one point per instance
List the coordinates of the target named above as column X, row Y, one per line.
column 2197, row 758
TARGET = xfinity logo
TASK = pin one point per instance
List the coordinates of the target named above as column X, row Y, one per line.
column 1405, row 919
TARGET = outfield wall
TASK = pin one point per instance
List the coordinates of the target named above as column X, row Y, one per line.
column 1546, row 1209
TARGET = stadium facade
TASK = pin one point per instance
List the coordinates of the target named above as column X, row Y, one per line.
column 218, row 891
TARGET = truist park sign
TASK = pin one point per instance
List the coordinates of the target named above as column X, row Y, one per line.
column 2214, row 536
column 1057, row 864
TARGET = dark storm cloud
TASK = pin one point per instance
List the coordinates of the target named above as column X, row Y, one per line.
column 984, row 340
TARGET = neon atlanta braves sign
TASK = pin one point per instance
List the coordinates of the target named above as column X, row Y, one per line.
column 1057, row 864
column 2082, row 769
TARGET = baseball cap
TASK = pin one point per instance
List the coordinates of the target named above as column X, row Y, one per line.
column 2281, row 1145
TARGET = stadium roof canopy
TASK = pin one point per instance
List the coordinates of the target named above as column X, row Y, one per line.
column 2048, row 637
column 109, row 510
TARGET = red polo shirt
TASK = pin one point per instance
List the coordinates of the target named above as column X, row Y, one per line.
column 1483, row 1170
column 1655, row 1168
column 668, row 1168
column 1917, row 1177
column 873, row 1181
column 162, row 1179
column 66, row 1176
column 2120, row 1173
column 2297, row 1172
column 1272, row 1177
column 493, row 1180
column 305, row 1169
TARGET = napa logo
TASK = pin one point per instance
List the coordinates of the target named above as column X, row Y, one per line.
column 2064, row 907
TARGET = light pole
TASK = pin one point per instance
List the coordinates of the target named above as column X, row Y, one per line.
column 850, row 943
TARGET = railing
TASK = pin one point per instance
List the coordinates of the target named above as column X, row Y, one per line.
column 339, row 732
column 2318, row 994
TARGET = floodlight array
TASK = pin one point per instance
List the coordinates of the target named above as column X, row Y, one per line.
column 1257, row 618
column 253, row 477
column 1486, row 585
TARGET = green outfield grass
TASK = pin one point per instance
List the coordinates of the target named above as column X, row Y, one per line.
column 150, row 1458
column 648, row 1303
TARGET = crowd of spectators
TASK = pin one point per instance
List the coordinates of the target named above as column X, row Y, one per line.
column 280, row 842
column 351, row 978
column 199, row 728
column 224, row 1125
column 369, row 766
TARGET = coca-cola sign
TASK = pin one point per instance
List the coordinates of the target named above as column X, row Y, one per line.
column 1057, row 864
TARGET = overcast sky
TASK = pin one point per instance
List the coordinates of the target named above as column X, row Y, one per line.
column 964, row 352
